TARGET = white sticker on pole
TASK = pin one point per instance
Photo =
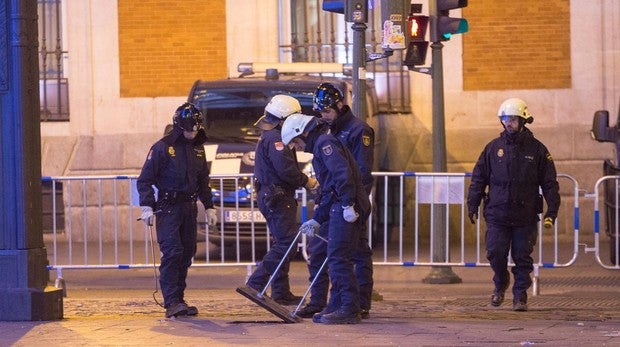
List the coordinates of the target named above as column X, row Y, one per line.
column 441, row 190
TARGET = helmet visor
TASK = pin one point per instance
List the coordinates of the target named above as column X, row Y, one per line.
column 508, row 118
column 267, row 122
column 322, row 100
column 190, row 123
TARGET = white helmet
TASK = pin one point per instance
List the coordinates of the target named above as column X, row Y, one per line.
column 515, row 107
column 295, row 125
column 278, row 108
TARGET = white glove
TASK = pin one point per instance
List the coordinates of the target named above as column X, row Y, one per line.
column 211, row 217
column 147, row 215
column 349, row 214
column 310, row 227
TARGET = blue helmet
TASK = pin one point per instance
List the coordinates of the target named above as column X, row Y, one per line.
column 326, row 96
column 188, row 117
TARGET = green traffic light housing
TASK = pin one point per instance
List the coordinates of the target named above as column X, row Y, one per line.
column 449, row 26
column 443, row 26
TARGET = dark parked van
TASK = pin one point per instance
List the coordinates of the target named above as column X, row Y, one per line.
column 231, row 107
column 602, row 132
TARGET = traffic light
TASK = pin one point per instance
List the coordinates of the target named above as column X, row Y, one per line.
column 355, row 11
column 443, row 27
column 333, row 6
column 417, row 46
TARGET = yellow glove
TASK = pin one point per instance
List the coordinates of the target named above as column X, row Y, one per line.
column 548, row 223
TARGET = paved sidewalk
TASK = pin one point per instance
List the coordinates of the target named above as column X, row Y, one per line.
column 577, row 306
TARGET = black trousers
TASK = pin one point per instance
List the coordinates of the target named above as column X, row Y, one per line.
column 176, row 235
column 520, row 242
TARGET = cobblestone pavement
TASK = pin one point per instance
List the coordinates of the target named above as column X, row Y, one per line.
column 579, row 305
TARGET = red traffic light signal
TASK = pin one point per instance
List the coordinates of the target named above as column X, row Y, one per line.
column 417, row 46
column 417, row 27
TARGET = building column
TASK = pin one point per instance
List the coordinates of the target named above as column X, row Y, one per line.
column 24, row 294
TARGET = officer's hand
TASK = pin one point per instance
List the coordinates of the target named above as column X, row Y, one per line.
column 147, row 215
column 211, row 215
column 548, row 223
column 473, row 216
column 349, row 214
column 312, row 184
column 310, row 227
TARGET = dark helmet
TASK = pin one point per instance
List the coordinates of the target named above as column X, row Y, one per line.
column 188, row 117
column 326, row 95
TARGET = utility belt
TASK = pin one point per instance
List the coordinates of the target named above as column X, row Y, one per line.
column 273, row 188
column 277, row 197
column 172, row 196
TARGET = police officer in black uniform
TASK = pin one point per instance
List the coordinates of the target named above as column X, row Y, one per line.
column 344, row 206
column 514, row 167
column 277, row 177
column 359, row 138
column 177, row 167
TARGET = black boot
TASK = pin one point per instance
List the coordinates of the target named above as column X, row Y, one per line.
column 519, row 303
column 289, row 299
column 316, row 318
column 309, row 310
column 191, row 310
column 176, row 309
column 342, row 316
column 498, row 295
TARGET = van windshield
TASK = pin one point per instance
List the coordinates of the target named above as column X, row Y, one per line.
column 230, row 113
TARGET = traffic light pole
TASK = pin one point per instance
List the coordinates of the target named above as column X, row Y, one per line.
column 439, row 274
column 359, row 70
column 439, row 126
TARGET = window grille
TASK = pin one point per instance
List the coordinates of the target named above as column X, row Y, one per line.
column 53, row 85
column 309, row 34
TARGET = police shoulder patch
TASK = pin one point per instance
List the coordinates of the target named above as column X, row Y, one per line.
column 279, row 146
column 327, row 149
column 366, row 140
column 549, row 156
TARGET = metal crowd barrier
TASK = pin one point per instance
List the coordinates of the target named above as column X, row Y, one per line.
column 98, row 226
column 419, row 219
column 612, row 214
column 438, row 191
column 443, row 195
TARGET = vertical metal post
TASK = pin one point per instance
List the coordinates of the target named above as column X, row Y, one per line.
column 359, row 70
column 439, row 274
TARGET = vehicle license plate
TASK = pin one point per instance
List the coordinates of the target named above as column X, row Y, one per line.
column 244, row 216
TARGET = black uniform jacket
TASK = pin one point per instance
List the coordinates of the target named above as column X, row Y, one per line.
column 513, row 167
column 175, row 164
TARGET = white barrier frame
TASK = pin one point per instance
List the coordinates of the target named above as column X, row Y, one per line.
column 597, row 223
column 452, row 194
